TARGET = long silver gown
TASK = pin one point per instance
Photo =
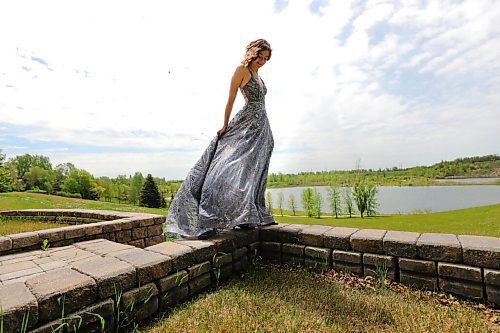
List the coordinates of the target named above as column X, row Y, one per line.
column 226, row 186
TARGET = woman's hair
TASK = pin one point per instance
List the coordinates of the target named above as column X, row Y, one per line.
column 253, row 50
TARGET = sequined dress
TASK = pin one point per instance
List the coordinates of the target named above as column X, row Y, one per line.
column 226, row 186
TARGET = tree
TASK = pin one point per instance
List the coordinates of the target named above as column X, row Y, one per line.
column 6, row 181
column 269, row 201
column 60, row 173
column 134, row 190
column 291, row 203
column 334, row 200
column 307, row 201
column 317, row 203
column 82, row 182
column 23, row 163
column 280, row 202
column 150, row 195
column 2, row 158
column 40, row 178
column 348, row 204
column 365, row 198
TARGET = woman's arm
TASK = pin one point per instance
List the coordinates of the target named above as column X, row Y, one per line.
column 233, row 90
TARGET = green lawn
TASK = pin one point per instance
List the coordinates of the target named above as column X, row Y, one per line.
column 8, row 227
column 23, row 200
column 484, row 221
column 270, row 299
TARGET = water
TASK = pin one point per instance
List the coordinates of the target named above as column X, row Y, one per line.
column 407, row 199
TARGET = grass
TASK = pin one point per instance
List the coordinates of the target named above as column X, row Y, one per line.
column 23, row 200
column 271, row 299
column 8, row 226
column 482, row 221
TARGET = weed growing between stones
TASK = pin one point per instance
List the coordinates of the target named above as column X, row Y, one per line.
column 381, row 274
column 101, row 319
column 45, row 245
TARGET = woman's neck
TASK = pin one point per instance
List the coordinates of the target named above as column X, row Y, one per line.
column 252, row 69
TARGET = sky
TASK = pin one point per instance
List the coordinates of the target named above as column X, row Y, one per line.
column 116, row 87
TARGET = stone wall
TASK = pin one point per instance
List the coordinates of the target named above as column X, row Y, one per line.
column 468, row 266
column 137, row 229
column 123, row 284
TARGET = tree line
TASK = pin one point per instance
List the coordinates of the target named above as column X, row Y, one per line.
column 35, row 173
column 468, row 167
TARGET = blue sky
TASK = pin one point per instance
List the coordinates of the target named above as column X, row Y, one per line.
column 143, row 88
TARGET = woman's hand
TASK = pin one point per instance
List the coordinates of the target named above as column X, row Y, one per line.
column 222, row 130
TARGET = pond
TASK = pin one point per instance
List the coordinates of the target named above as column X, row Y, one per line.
column 408, row 199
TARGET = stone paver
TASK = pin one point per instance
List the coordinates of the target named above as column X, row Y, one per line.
column 182, row 255
column 110, row 274
column 149, row 265
column 54, row 288
column 16, row 302
column 202, row 250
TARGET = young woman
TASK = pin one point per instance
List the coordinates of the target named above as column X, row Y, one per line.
column 226, row 186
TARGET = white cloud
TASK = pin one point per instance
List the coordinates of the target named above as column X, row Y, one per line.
column 155, row 75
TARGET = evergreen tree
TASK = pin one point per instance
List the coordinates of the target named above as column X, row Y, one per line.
column 150, row 195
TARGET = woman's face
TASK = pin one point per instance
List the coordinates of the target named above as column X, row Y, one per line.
column 262, row 58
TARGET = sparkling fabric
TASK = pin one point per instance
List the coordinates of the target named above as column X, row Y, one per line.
column 226, row 186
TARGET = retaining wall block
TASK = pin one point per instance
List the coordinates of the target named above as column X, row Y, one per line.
column 199, row 283
column 5, row 244
column 240, row 238
column 253, row 249
column 289, row 233
column 173, row 296
column 89, row 321
column 347, row 261
column 318, row 258
column 155, row 230
column 222, row 266
column 240, row 264
column 111, row 226
column 293, row 254
column 56, row 287
column 481, row 251
column 492, row 282
column 16, row 302
column 150, row 241
column 110, row 274
column 401, row 244
column 123, row 236
column 172, row 281
column 439, row 247
column 203, row 250
column 418, row 273
column 199, row 269
column 270, row 233
column 462, row 280
column 24, row 239
column 368, row 240
column 182, row 256
column 141, row 232
column 140, row 303
column 139, row 243
column 239, row 253
column 51, row 235
column 225, row 242
column 376, row 264
column 271, row 251
column 313, row 235
column 339, row 238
